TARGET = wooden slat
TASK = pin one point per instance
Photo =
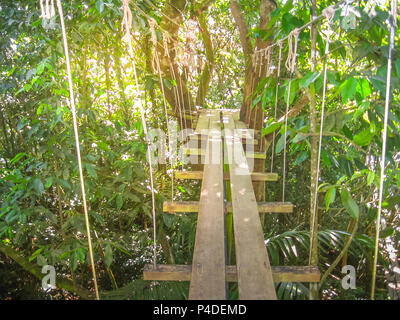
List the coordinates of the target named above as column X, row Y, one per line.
column 201, row 152
column 255, row 280
column 244, row 131
column 208, row 273
column 203, row 122
column 235, row 113
column 196, row 136
column 198, row 175
column 193, row 206
column 240, row 125
column 176, row 272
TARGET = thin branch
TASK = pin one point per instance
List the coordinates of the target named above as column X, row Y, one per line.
column 61, row 281
column 207, row 72
column 339, row 135
column 340, row 256
column 243, row 29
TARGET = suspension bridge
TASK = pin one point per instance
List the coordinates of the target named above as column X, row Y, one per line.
column 209, row 272
column 225, row 160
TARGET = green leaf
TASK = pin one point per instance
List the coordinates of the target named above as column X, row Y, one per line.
column 363, row 138
column 17, row 157
column 271, row 128
column 363, row 88
column 41, row 261
column 40, row 109
column 370, row 177
column 40, row 68
column 255, row 101
column 38, row 185
column 35, row 254
column 74, row 260
column 299, row 137
column 364, row 107
column 293, row 91
column 303, row 156
column 102, row 145
column 80, row 254
column 119, row 202
column 280, row 144
column 167, row 83
column 349, row 89
column 64, row 184
column 349, row 204
column 108, row 254
column 49, row 183
column 330, row 197
column 91, row 170
column 308, row 79
column 267, row 96
column 386, row 233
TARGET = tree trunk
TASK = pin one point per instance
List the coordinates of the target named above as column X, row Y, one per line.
column 254, row 118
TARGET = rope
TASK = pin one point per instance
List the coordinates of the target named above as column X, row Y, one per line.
column 329, row 13
column 166, row 38
column 152, row 23
column 176, row 43
column 308, row 24
column 162, row 13
column 276, row 101
column 78, row 152
column 148, row 17
column 127, row 27
column 188, row 94
column 261, row 54
column 290, row 65
column 393, row 25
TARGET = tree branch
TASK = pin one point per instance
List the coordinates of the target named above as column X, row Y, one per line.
column 243, row 30
column 339, row 257
column 207, row 72
column 61, row 281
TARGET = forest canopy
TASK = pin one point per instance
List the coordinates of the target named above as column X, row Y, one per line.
column 189, row 56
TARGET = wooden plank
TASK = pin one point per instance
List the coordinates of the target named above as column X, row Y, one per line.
column 242, row 129
column 196, row 136
column 202, row 152
column 202, row 122
column 240, row 125
column 235, row 113
column 208, row 273
column 176, row 272
column 193, row 206
column 255, row 280
column 198, row 175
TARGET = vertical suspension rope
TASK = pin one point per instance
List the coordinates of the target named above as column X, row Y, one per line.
column 290, row 65
column 78, row 152
column 166, row 39
column 152, row 24
column 393, row 26
column 329, row 13
column 126, row 24
column 188, row 95
column 278, row 75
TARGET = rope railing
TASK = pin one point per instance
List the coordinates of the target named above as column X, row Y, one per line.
column 78, row 152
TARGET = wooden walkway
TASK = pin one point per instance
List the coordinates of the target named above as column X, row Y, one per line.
column 209, row 272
